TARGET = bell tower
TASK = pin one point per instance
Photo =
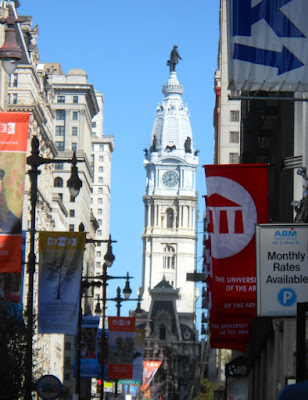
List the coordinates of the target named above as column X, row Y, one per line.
column 170, row 200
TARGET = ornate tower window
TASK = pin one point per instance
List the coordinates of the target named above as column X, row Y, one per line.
column 170, row 218
column 169, row 257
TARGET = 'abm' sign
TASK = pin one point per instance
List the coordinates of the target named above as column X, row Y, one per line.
column 268, row 45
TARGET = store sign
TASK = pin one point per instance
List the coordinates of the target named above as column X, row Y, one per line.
column 268, row 43
column 282, row 268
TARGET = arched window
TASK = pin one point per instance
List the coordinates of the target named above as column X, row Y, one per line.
column 169, row 257
column 169, row 218
column 58, row 182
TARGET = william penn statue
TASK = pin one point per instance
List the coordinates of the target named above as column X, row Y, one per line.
column 174, row 58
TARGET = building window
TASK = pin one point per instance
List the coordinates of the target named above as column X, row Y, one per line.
column 99, row 232
column 12, row 98
column 100, row 200
column 59, row 166
column 59, row 146
column 75, row 99
column 67, row 346
column 100, row 221
column 74, row 146
column 234, row 116
column 61, row 99
column 74, row 131
column 75, row 115
column 101, row 169
column 72, row 199
column 234, row 158
column 72, row 213
column 13, row 80
column 98, row 264
column 169, row 218
column 58, row 182
column 60, row 115
column 101, row 158
column 100, row 190
column 234, row 137
column 93, row 124
column 67, row 361
column 71, row 228
column 100, row 211
column 60, row 196
column 101, row 147
column 67, row 377
column 99, row 254
column 169, row 257
column 60, row 130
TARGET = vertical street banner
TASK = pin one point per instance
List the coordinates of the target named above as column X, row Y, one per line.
column 14, row 128
column 60, row 268
column 237, row 199
column 138, row 354
column 121, row 347
column 89, row 363
column 149, row 370
column 268, row 45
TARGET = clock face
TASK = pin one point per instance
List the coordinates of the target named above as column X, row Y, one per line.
column 170, row 178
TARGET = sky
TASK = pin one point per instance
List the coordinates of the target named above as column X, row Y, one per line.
column 123, row 45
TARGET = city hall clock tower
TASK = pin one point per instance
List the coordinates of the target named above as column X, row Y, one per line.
column 170, row 200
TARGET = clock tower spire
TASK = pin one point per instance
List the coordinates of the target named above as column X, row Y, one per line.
column 169, row 236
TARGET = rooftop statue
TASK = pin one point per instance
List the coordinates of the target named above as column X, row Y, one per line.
column 174, row 58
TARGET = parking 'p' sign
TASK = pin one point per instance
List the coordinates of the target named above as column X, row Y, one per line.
column 287, row 297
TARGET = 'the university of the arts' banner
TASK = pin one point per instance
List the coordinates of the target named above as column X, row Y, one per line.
column 60, row 267
column 149, row 370
column 13, row 148
column 237, row 199
column 121, row 347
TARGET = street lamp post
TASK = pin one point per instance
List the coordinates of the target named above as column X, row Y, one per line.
column 74, row 184
column 85, row 284
column 101, row 280
column 10, row 52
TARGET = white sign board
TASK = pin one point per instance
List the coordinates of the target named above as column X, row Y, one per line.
column 268, row 45
column 282, row 268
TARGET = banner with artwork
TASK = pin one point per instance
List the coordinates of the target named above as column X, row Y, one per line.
column 138, row 354
column 237, row 199
column 89, row 362
column 14, row 128
column 149, row 370
column 60, row 267
column 121, row 347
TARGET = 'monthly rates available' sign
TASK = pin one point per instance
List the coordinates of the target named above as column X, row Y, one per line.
column 282, row 268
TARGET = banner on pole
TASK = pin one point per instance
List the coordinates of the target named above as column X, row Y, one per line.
column 14, row 128
column 149, row 370
column 60, row 266
column 121, row 347
column 237, row 199
column 89, row 363
column 138, row 354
